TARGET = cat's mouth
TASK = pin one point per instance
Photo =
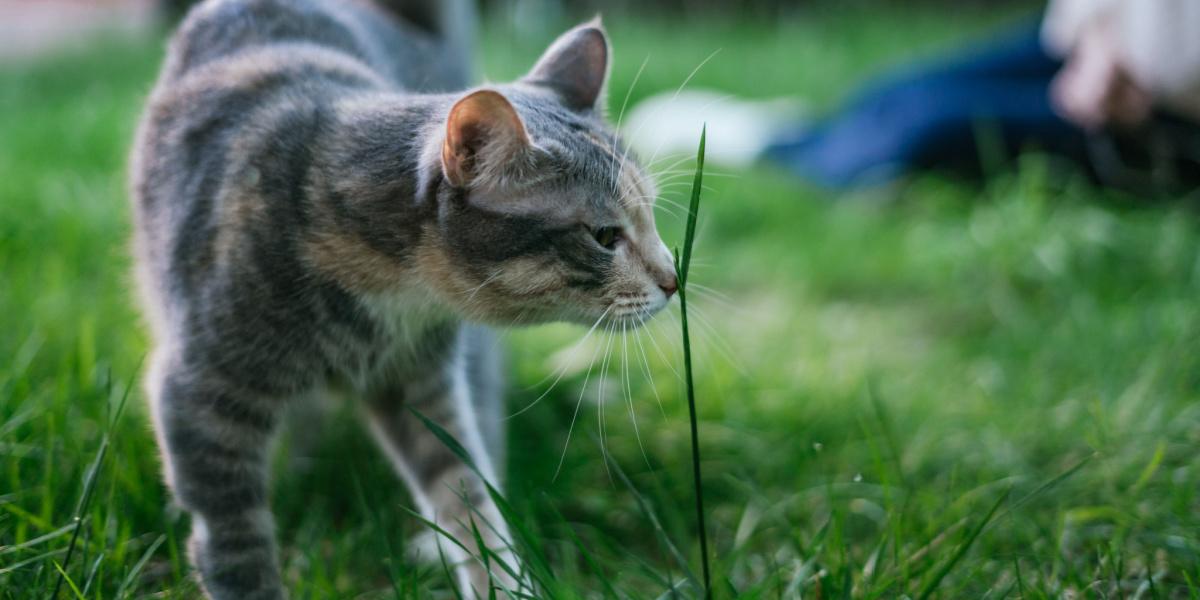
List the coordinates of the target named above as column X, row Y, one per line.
column 632, row 313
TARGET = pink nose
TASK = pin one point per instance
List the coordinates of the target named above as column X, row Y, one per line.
column 669, row 287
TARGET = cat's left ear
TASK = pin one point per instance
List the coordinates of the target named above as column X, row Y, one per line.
column 575, row 67
column 483, row 133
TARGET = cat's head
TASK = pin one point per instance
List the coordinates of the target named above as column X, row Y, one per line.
column 543, row 213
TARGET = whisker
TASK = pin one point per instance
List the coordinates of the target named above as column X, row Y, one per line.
column 603, row 374
column 670, row 364
column 708, row 293
column 680, row 89
column 675, row 204
column 575, row 415
column 694, row 71
column 672, row 168
column 561, row 371
column 629, row 392
column 670, row 211
column 673, row 185
column 475, row 290
column 721, row 302
column 666, row 180
column 628, row 92
column 679, row 156
column 692, row 173
column 646, row 369
column 719, row 342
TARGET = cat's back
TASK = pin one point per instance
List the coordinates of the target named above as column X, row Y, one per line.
column 426, row 55
column 247, row 86
column 227, row 145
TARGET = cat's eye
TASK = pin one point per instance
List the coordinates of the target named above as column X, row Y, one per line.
column 607, row 236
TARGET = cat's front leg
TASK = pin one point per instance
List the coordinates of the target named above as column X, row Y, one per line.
column 447, row 491
column 214, row 439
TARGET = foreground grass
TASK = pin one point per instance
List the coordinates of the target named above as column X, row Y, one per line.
column 884, row 371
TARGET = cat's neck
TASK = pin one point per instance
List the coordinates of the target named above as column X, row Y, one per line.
column 373, row 189
column 379, row 139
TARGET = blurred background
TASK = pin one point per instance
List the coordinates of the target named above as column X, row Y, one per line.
column 970, row 317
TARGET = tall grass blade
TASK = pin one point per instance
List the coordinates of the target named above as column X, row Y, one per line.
column 131, row 578
column 689, row 235
column 539, row 568
column 592, row 565
column 63, row 576
column 962, row 548
column 682, row 264
column 659, row 530
column 89, row 487
column 378, row 523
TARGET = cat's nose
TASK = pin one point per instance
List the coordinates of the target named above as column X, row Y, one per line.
column 668, row 286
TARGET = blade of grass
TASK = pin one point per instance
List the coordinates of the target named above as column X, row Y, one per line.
column 1046, row 486
column 446, row 571
column 63, row 575
column 89, row 487
column 962, row 548
column 585, row 554
column 61, row 531
column 378, row 523
column 132, row 576
column 689, row 236
column 483, row 555
column 650, row 515
column 682, row 264
column 533, row 554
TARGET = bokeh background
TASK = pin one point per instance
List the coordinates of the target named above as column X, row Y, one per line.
column 876, row 369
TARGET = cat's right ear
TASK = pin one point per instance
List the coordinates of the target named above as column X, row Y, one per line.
column 483, row 133
column 575, row 67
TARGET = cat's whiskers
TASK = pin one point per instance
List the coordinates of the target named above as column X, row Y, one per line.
column 679, row 90
column 575, row 416
column 673, row 98
column 680, row 158
column 674, row 184
column 629, row 390
column 621, row 115
column 600, row 417
column 490, row 278
column 662, row 355
column 719, row 343
column 691, row 173
column 674, row 204
column 646, row 368
column 641, row 202
column 563, row 369
column 668, row 178
column 718, row 297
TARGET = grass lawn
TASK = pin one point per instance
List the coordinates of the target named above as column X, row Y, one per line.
column 874, row 373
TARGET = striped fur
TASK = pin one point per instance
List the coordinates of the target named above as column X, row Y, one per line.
column 319, row 205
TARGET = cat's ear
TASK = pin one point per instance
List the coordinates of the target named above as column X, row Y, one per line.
column 575, row 66
column 483, row 132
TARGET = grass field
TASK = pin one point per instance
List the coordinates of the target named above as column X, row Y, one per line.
column 875, row 373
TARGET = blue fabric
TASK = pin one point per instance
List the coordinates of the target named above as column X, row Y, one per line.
column 928, row 116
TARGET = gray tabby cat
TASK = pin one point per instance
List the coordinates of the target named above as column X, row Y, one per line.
column 318, row 209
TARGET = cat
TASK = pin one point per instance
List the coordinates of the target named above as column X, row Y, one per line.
column 321, row 204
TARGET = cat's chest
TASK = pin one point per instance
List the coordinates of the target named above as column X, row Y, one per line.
column 412, row 337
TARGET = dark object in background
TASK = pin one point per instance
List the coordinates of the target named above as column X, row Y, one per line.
column 939, row 114
column 173, row 10
column 1161, row 157
column 964, row 113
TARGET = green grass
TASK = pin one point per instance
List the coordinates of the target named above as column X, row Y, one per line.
column 940, row 389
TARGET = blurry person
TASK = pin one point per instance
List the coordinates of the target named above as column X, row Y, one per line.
column 1113, row 85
